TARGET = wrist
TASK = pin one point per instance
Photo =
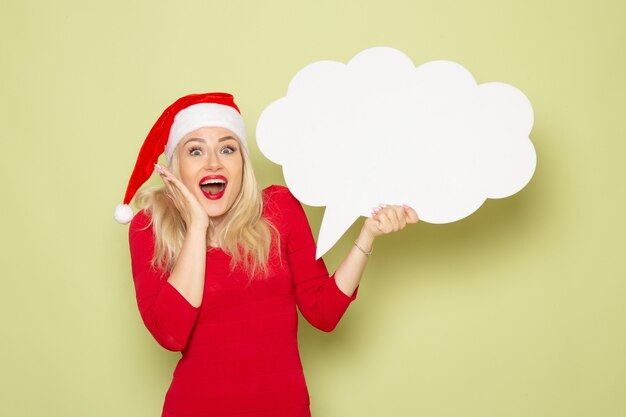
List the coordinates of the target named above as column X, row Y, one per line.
column 198, row 227
column 365, row 241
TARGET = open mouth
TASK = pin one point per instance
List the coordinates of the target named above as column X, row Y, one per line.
column 213, row 186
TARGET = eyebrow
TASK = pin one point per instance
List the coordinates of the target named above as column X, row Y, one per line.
column 202, row 140
column 226, row 138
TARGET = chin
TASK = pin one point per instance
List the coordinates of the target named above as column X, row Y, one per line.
column 214, row 212
column 217, row 209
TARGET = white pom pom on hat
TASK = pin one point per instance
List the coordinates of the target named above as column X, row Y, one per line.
column 123, row 213
column 185, row 115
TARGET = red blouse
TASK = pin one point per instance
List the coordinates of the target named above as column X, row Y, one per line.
column 239, row 348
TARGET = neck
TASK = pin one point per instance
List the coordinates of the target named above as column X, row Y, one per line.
column 214, row 231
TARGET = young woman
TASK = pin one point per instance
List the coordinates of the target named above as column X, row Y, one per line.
column 220, row 266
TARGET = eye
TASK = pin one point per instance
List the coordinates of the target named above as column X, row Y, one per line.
column 228, row 149
column 195, row 151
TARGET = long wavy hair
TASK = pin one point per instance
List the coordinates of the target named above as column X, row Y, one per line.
column 247, row 236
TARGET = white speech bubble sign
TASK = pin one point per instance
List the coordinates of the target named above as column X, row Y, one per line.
column 380, row 130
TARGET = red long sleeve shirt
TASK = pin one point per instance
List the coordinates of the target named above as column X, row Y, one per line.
column 239, row 348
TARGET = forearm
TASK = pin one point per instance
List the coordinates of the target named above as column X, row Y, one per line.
column 349, row 273
column 188, row 273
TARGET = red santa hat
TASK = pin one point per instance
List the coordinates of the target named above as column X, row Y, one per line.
column 182, row 117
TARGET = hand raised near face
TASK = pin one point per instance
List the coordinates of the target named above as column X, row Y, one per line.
column 387, row 219
column 189, row 207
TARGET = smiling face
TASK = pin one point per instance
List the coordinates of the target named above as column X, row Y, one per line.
column 211, row 166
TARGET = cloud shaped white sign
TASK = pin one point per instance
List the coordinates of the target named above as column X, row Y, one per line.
column 380, row 130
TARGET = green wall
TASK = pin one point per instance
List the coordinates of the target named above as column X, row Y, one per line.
column 516, row 311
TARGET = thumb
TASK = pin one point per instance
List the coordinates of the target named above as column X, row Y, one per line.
column 411, row 214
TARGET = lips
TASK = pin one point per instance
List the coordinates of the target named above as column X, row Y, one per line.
column 213, row 186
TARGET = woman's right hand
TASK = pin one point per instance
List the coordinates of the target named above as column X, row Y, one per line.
column 189, row 207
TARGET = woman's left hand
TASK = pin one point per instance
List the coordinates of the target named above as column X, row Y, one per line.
column 388, row 219
column 385, row 219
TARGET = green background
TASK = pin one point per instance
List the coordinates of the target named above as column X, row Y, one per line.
column 517, row 310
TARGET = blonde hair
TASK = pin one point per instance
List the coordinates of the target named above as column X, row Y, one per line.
column 247, row 236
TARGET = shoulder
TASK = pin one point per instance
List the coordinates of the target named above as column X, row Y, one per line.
column 277, row 192
column 279, row 198
column 141, row 220
column 140, row 227
column 282, row 208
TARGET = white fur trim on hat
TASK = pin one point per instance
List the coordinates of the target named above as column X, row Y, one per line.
column 204, row 115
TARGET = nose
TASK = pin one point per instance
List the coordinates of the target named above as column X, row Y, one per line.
column 213, row 161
